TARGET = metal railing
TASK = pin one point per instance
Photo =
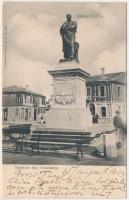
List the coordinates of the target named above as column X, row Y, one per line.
column 99, row 98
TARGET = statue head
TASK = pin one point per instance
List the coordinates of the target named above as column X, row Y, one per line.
column 68, row 16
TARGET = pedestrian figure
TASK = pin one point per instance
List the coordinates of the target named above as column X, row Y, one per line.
column 117, row 121
column 41, row 119
column 95, row 118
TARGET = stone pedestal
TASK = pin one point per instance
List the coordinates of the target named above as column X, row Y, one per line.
column 69, row 98
column 110, row 145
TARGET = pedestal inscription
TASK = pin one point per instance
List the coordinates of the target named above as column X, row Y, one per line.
column 64, row 91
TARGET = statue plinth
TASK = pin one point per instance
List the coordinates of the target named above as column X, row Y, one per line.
column 67, row 60
column 69, row 98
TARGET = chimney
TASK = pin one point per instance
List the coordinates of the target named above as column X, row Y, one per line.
column 102, row 70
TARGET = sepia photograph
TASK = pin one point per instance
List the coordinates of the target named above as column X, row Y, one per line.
column 64, row 83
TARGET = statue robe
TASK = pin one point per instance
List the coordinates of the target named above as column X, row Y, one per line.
column 68, row 30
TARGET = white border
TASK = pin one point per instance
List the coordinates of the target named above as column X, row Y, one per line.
column 90, row 1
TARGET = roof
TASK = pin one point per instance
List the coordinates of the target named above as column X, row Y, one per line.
column 19, row 89
column 108, row 77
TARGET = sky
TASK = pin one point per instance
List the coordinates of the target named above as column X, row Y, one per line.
column 32, row 42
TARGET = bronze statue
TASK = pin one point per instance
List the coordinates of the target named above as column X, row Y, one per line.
column 70, row 47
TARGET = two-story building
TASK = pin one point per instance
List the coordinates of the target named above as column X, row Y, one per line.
column 21, row 104
column 106, row 93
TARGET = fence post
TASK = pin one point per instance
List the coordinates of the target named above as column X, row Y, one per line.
column 110, row 148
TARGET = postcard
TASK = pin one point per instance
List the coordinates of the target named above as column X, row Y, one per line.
column 64, row 83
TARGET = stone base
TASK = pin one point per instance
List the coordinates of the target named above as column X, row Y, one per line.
column 68, row 60
column 69, row 119
column 110, row 145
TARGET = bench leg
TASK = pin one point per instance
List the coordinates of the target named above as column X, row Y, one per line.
column 22, row 148
column 32, row 150
column 16, row 150
column 19, row 146
column 79, row 150
column 38, row 150
column 77, row 153
column 82, row 153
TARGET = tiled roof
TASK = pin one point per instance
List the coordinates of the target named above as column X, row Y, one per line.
column 19, row 89
column 106, row 77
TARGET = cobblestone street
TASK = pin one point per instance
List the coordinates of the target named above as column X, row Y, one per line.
column 62, row 157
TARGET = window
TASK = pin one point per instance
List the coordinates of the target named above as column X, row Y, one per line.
column 26, row 114
column 5, row 114
column 96, row 90
column 35, row 100
column 103, row 111
column 28, row 100
column 31, row 99
column 101, row 91
column 43, row 100
column 92, row 109
column 22, row 113
column 18, row 98
column 25, row 98
column 42, row 110
column 16, row 111
column 118, row 91
column 88, row 91
column 29, row 114
column 38, row 110
column 93, row 89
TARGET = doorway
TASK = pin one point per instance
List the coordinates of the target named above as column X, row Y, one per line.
column 26, row 114
column 5, row 114
column 35, row 114
column 92, row 109
column 103, row 111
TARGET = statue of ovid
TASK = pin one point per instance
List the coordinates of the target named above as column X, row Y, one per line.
column 70, row 47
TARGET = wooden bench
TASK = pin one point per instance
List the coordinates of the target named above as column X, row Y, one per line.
column 17, row 130
column 48, row 140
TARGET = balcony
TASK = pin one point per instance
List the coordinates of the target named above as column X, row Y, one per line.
column 36, row 103
column 99, row 98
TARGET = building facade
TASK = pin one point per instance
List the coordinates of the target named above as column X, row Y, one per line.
column 106, row 93
column 21, row 104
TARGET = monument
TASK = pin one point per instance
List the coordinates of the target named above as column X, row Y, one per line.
column 70, row 47
column 69, row 115
column 69, row 85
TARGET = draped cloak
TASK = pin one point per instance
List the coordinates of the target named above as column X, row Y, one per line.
column 68, row 30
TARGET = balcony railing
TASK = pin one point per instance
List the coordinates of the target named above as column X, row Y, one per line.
column 99, row 98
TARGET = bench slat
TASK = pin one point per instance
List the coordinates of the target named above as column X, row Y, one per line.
column 69, row 140
column 59, row 136
column 44, row 143
column 52, row 131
